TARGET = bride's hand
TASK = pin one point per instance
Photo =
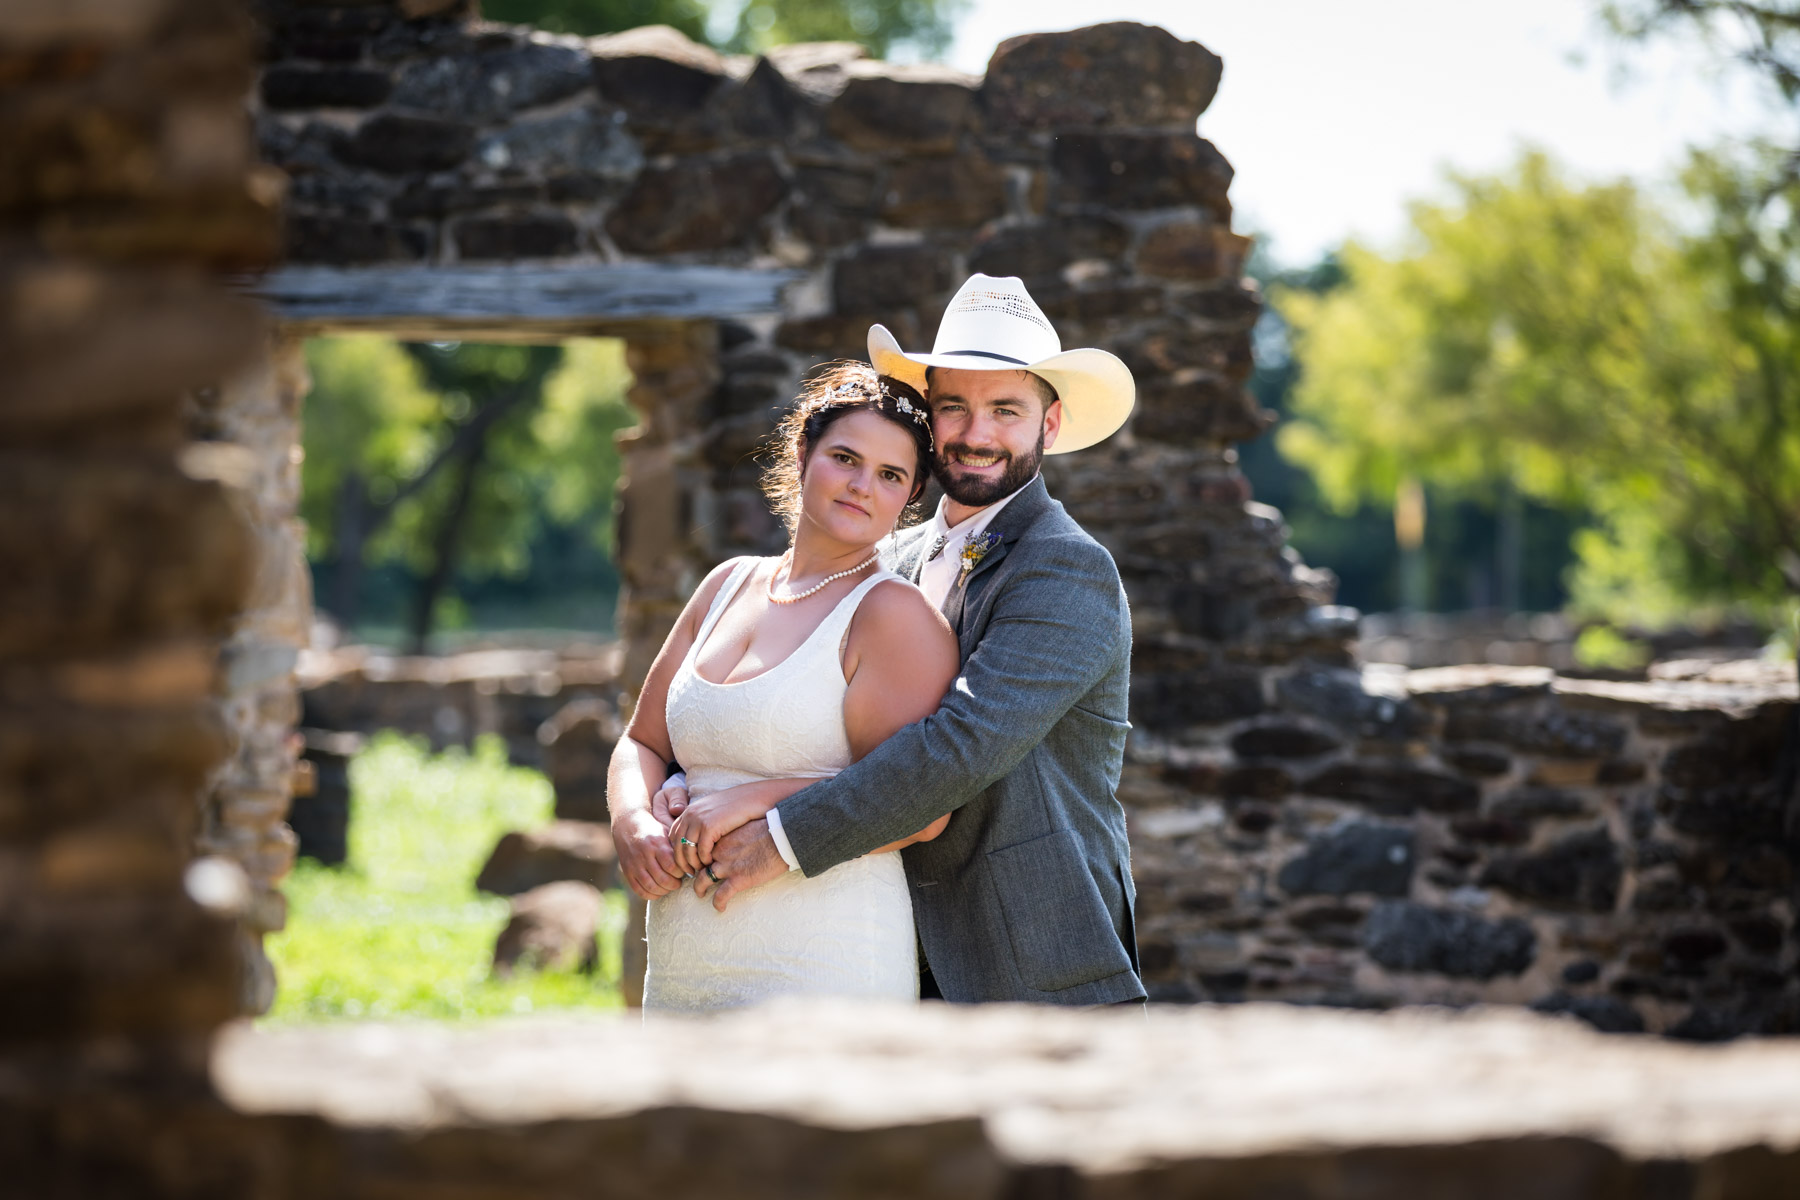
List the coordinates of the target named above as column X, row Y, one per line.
column 703, row 822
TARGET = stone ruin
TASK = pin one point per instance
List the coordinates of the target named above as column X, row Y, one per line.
column 1302, row 831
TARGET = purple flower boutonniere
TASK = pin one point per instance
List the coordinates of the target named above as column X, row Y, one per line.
column 973, row 551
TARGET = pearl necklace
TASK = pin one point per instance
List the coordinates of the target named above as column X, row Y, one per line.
column 798, row 596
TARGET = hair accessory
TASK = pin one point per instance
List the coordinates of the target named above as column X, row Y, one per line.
column 906, row 406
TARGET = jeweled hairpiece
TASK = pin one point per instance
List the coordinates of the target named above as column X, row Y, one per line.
column 906, row 406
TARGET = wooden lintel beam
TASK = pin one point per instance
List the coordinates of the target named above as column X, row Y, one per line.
column 512, row 301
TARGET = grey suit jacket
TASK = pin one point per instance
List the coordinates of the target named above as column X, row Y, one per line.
column 1028, row 894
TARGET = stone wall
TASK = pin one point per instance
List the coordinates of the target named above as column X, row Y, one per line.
column 1524, row 639
column 150, row 601
column 1302, row 832
column 149, row 578
column 998, row 1103
column 1478, row 834
column 453, row 699
column 1073, row 163
column 251, row 420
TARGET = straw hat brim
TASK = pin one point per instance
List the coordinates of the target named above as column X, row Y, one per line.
column 1097, row 390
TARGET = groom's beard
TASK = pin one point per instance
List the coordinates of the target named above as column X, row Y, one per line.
column 975, row 492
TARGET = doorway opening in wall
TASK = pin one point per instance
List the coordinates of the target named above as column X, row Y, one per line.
column 459, row 500
column 455, row 491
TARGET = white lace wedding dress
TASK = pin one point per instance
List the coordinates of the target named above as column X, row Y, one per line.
column 848, row 932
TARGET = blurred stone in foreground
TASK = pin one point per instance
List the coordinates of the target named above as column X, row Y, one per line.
column 821, row 1100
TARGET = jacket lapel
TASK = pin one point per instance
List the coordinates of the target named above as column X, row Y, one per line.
column 1025, row 508
column 905, row 552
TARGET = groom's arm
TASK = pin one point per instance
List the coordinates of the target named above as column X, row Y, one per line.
column 1054, row 633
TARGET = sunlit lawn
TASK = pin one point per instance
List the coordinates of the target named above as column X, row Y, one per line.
column 399, row 931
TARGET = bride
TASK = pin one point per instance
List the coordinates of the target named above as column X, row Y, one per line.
column 779, row 672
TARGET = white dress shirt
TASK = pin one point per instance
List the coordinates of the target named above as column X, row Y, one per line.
column 936, row 577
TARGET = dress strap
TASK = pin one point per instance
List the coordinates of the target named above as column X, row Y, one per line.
column 733, row 583
column 837, row 622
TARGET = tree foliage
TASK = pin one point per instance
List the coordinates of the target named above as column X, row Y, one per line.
column 1575, row 343
column 453, row 460
column 1481, row 551
column 881, row 26
column 1764, row 35
column 592, row 17
column 923, row 26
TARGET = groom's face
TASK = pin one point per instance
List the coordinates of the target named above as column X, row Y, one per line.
column 991, row 429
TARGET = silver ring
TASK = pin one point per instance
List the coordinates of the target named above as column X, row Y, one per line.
column 711, row 876
column 685, row 842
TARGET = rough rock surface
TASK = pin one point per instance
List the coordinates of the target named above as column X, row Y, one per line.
column 578, row 744
column 1120, row 73
column 552, row 927
column 1244, row 1102
column 562, row 850
column 454, row 699
column 1641, row 887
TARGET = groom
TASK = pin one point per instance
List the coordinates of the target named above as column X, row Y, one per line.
column 1028, row 894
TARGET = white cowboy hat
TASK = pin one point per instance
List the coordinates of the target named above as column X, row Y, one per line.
column 994, row 325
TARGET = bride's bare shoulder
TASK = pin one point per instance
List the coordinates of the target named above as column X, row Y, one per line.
column 897, row 611
column 715, row 579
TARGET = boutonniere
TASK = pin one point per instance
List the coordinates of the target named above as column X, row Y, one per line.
column 973, row 551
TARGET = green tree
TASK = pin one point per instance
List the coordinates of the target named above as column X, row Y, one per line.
column 591, row 17
column 371, row 443
column 483, row 510
column 1754, row 204
column 1572, row 343
column 583, row 411
column 922, row 26
column 454, row 459
column 880, row 26
column 1764, row 36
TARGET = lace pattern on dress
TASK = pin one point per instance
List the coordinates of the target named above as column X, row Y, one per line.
column 846, row 932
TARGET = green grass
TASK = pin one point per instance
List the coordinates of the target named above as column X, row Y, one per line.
column 399, row 930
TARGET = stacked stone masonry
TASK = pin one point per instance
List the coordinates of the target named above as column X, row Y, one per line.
column 1614, row 850
column 448, row 142
column 151, row 588
column 1297, row 835
column 152, row 600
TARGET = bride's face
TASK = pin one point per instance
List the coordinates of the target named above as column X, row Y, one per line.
column 858, row 478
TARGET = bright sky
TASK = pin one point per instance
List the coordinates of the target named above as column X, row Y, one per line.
column 1335, row 113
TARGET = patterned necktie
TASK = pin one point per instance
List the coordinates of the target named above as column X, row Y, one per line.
column 937, row 547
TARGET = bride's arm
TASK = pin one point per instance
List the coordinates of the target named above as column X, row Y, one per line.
column 639, row 762
column 900, row 660
column 710, row 818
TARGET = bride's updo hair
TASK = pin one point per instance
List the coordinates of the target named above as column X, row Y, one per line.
column 836, row 391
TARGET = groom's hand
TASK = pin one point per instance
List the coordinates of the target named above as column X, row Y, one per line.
column 743, row 859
